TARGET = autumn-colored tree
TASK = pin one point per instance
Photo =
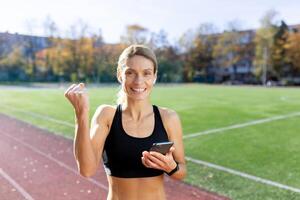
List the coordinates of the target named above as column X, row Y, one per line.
column 135, row 34
column 15, row 64
column 30, row 46
column 198, row 55
column 80, row 51
column 226, row 51
column 15, row 58
column 55, row 58
column 234, row 48
column 98, row 42
column 106, row 58
column 197, row 51
column 293, row 51
column 86, row 52
column 49, row 60
column 74, row 58
column 264, row 42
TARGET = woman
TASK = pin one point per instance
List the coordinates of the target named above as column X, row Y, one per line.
column 123, row 135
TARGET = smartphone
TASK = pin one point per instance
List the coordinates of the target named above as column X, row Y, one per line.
column 162, row 147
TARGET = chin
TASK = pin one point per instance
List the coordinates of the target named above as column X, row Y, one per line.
column 138, row 98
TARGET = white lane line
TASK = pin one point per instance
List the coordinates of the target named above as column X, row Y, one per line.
column 54, row 160
column 229, row 128
column 45, row 117
column 251, row 123
column 242, row 174
column 192, row 135
column 52, row 131
column 16, row 185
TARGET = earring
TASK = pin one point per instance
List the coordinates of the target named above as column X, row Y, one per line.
column 120, row 80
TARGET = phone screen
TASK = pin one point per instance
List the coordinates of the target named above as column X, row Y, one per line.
column 162, row 147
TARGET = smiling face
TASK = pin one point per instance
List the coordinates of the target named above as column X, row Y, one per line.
column 138, row 77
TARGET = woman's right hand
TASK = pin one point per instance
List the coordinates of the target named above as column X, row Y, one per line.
column 78, row 97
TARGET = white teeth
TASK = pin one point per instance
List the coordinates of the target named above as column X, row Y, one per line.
column 138, row 89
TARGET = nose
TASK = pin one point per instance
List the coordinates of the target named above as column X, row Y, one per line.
column 138, row 79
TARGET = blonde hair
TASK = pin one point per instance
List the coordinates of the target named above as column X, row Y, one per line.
column 127, row 53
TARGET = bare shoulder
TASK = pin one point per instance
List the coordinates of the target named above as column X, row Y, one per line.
column 168, row 114
column 104, row 113
column 170, row 118
column 105, row 108
column 172, row 123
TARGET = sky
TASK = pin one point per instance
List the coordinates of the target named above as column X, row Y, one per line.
column 175, row 17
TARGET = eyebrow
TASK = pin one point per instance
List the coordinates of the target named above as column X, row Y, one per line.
column 147, row 69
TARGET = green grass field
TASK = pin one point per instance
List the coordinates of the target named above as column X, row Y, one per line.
column 269, row 150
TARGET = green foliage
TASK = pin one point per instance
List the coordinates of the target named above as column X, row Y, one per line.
column 225, row 51
column 169, row 65
column 197, row 56
column 74, row 77
column 14, row 59
column 169, row 71
column 264, row 44
column 292, row 47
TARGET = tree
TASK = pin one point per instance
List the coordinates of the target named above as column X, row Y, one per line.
column 49, row 60
column 55, row 58
column 197, row 51
column 169, row 64
column 107, row 56
column 80, row 49
column 30, row 50
column 135, row 34
column 279, row 56
column 227, row 52
column 186, row 44
column 2, row 46
column 159, row 40
column 98, row 43
column 15, row 64
column 292, row 48
column 264, row 42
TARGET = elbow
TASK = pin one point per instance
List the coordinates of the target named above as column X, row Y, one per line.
column 86, row 170
column 86, row 173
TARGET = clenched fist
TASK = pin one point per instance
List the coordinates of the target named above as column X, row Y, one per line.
column 78, row 97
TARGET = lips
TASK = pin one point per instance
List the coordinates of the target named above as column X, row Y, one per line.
column 138, row 90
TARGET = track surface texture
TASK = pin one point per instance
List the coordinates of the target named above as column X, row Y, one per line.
column 36, row 165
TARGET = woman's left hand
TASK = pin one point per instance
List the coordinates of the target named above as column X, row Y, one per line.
column 159, row 161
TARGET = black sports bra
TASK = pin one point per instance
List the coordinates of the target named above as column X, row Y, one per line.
column 122, row 153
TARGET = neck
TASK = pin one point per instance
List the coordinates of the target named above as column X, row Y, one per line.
column 137, row 110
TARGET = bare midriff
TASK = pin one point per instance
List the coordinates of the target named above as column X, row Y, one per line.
column 136, row 188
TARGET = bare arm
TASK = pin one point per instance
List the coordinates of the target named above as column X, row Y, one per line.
column 174, row 129
column 167, row 162
column 88, row 143
column 83, row 151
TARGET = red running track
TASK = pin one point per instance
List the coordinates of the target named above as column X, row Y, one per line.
column 36, row 164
